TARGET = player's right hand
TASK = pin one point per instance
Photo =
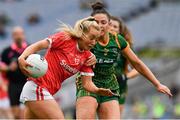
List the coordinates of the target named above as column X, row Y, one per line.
column 91, row 61
column 23, row 66
column 105, row 92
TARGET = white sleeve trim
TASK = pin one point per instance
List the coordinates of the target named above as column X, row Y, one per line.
column 91, row 55
column 87, row 74
column 50, row 42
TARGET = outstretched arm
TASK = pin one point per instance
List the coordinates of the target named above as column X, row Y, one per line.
column 144, row 70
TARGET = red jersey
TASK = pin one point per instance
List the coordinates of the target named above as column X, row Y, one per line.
column 64, row 60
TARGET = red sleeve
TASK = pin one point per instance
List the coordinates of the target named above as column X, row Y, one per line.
column 87, row 70
column 89, row 54
column 56, row 41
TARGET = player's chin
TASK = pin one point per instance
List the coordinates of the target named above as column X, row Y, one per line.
column 88, row 47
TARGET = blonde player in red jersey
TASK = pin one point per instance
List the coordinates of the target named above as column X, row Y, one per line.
column 67, row 54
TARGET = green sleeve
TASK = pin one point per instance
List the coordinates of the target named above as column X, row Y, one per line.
column 122, row 42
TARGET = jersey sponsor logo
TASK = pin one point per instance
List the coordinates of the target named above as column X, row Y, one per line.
column 105, row 60
column 115, row 50
column 67, row 67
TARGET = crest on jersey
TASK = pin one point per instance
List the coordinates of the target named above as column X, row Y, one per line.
column 77, row 60
column 106, row 51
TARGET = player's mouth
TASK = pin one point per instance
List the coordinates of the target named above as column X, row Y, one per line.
column 91, row 46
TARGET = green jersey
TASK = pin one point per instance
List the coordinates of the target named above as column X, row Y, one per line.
column 107, row 55
column 104, row 71
column 106, row 58
column 120, row 64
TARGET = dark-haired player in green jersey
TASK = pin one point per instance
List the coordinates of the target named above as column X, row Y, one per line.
column 106, row 51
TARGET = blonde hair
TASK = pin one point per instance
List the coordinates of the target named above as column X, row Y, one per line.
column 80, row 28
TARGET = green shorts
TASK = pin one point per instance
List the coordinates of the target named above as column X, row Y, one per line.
column 122, row 98
column 104, row 78
column 100, row 99
column 123, row 93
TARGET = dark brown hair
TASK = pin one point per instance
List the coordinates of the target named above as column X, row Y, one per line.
column 98, row 7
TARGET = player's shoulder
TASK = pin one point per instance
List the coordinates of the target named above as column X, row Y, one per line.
column 61, row 37
column 58, row 34
column 87, row 53
column 112, row 34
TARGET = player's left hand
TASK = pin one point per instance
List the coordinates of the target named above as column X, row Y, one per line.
column 105, row 92
column 164, row 89
column 91, row 60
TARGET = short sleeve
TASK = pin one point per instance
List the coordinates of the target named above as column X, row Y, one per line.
column 89, row 54
column 86, row 71
column 56, row 40
column 122, row 42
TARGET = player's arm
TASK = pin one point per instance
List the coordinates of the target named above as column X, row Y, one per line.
column 128, row 75
column 144, row 70
column 43, row 44
column 91, row 60
column 88, row 85
column 132, row 73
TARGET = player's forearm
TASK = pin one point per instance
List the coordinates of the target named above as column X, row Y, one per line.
column 43, row 44
column 145, row 71
column 133, row 73
column 140, row 66
column 89, row 85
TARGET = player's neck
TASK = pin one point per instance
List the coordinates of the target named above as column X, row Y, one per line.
column 104, row 40
column 79, row 48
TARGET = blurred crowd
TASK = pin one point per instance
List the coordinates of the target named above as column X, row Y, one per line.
column 155, row 106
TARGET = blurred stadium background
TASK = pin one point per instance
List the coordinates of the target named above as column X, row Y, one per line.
column 155, row 26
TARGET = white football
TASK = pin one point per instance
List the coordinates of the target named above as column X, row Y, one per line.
column 39, row 65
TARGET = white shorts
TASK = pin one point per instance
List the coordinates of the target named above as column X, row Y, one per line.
column 32, row 92
column 4, row 103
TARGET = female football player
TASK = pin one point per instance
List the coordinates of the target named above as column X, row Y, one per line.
column 67, row 53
